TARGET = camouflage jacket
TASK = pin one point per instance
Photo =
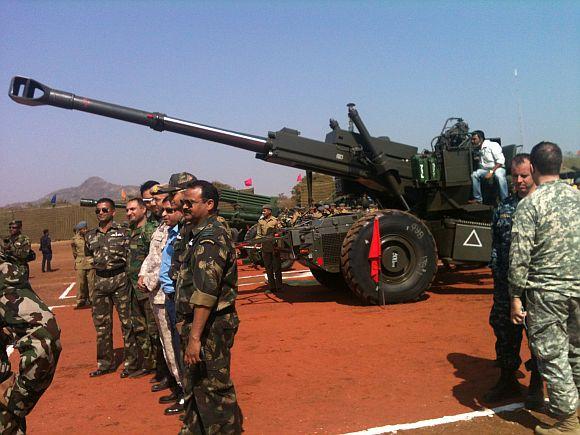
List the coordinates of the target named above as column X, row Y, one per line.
column 11, row 273
column 209, row 274
column 152, row 263
column 267, row 228
column 139, row 241
column 545, row 249
column 108, row 249
column 501, row 231
column 82, row 261
column 180, row 249
column 18, row 247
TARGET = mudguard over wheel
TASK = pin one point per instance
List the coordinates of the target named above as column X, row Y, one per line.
column 408, row 261
column 332, row 281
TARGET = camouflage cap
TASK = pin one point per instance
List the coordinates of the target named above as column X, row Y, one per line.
column 176, row 182
column 17, row 223
column 268, row 206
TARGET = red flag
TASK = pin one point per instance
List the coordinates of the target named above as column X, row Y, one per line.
column 375, row 252
column 248, row 182
column 299, row 178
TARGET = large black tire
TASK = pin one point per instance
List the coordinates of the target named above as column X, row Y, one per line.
column 332, row 281
column 408, row 261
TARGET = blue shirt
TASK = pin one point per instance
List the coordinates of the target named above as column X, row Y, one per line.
column 167, row 284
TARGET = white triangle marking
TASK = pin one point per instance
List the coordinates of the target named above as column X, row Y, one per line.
column 475, row 244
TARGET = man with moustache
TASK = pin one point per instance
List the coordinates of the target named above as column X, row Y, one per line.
column 107, row 244
column 508, row 335
column 147, row 190
column 207, row 318
column 144, row 326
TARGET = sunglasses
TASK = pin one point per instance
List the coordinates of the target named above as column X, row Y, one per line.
column 169, row 210
column 101, row 210
column 14, row 228
column 189, row 203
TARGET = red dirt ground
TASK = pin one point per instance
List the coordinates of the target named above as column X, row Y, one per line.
column 310, row 361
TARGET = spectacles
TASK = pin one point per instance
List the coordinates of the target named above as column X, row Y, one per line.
column 168, row 210
column 101, row 210
column 189, row 203
column 14, row 228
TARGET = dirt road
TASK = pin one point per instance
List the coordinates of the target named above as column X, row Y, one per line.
column 310, row 361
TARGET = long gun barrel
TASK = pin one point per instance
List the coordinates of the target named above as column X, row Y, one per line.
column 32, row 93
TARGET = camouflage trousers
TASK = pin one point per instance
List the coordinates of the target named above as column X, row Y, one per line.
column 211, row 405
column 109, row 291
column 144, row 329
column 85, row 285
column 553, row 323
column 508, row 336
column 37, row 335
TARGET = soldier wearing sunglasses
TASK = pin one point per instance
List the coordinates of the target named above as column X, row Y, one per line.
column 108, row 244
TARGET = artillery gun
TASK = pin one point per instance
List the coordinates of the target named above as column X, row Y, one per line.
column 422, row 197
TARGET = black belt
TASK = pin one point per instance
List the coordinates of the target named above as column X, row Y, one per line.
column 188, row 318
column 108, row 273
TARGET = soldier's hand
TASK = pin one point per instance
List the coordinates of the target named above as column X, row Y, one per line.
column 141, row 284
column 4, row 387
column 192, row 352
column 517, row 311
column 488, row 175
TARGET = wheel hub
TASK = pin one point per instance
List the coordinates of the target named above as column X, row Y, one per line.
column 397, row 258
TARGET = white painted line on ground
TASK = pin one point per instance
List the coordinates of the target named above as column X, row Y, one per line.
column 438, row 421
column 303, row 274
column 59, row 306
column 65, row 293
column 289, row 272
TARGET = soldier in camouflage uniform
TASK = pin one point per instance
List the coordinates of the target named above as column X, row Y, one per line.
column 508, row 335
column 27, row 318
column 142, row 319
column 17, row 245
column 208, row 322
column 108, row 244
column 545, row 265
column 84, row 267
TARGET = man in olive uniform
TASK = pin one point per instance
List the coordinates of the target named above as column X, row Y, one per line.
column 267, row 227
column 207, row 317
column 83, row 266
column 142, row 319
column 148, row 190
column 508, row 335
column 27, row 318
column 108, row 244
column 17, row 245
column 544, row 264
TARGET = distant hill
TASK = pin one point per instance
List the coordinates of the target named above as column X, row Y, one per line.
column 92, row 187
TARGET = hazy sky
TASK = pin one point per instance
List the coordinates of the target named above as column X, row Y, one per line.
column 260, row 66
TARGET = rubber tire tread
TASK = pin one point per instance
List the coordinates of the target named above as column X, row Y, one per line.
column 347, row 245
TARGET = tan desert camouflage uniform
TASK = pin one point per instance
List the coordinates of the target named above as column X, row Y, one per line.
column 545, row 264
column 36, row 336
column 209, row 277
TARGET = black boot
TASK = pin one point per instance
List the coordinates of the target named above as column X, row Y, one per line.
column 507, row 387
column 535, row 397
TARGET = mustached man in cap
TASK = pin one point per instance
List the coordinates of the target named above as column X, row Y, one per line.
column 267, row 227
